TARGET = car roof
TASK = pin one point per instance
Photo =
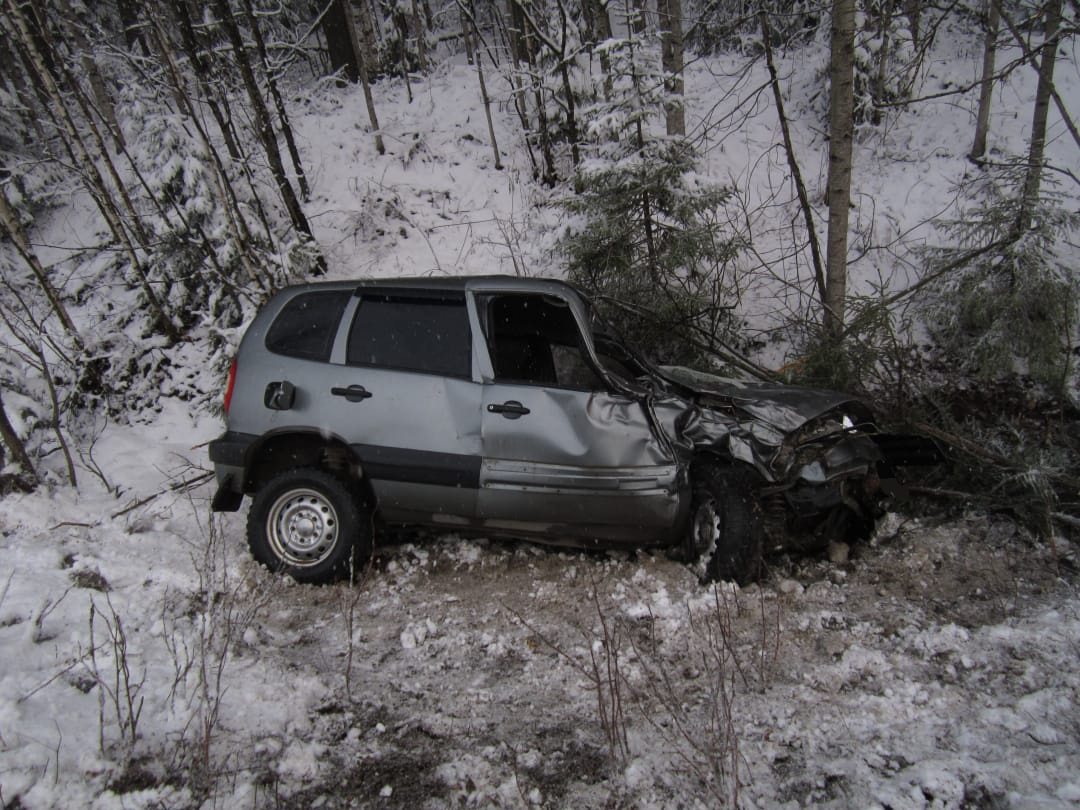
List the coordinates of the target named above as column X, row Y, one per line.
column 443, row 283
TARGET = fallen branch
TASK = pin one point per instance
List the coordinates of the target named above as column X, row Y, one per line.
column 176, row 486
column 980, row 452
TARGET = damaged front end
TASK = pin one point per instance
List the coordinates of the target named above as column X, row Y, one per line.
column 823, row 470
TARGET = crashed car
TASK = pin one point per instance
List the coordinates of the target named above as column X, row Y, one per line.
column 505, row 406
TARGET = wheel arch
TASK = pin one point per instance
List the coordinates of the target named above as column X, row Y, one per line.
column 283, row 450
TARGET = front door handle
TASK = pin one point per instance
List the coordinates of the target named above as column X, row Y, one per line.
column 354, row 393
column 511, row 409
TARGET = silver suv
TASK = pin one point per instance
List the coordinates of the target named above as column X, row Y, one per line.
column 505, row 406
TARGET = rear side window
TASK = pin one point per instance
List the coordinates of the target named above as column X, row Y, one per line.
column 412, row 333
column 307, row 324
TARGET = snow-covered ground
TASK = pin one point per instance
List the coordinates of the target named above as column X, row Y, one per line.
column 937, row 667
column 146, row 662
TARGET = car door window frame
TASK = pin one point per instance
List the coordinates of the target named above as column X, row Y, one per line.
column 464, row 341
column 487, row 299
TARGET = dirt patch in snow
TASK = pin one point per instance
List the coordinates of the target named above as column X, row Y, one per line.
column 928, row 669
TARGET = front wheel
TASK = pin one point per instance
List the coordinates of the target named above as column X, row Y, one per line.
column 307, row 524
column 726, row 526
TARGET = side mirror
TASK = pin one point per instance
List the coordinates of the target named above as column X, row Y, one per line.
column 279, row 396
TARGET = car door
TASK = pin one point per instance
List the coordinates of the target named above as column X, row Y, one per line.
column 402, row 394
column 561, row 453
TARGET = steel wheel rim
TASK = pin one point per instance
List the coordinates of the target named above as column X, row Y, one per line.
column 302, row 527
column 706, row 527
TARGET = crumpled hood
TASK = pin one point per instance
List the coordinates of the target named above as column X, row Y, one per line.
column 785, row 407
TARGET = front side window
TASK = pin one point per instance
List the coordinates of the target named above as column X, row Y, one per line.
column 412, row 333
column 534, row 339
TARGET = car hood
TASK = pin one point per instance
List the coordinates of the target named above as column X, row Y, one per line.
column 785, row 407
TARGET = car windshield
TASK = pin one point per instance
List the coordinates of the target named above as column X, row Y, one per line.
column 617, row 357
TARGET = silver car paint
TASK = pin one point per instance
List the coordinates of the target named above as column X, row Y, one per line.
column 608, row 464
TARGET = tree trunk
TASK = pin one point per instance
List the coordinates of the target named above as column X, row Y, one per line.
column 882, row 78
column 364, row 43
column 841, row 136
column 560, row 54
column 234, row 217
column 671, row 50
column 102, row 100
column 401, row 22
column 648, row 225
column 913, row 10
column 636, row 19
column 279, row 102
column 210, row 73
column 343, row 55
column 28, row 478
column 129, row 18
column 264, row 129
column 483, row 87
column 1030, row 196
column 793, row 164
column 421, row 37
column 30, row 133
column 203, row 70
column 528, row 51
column 80, row 156
column 602, row 27
column 10, row 220
column 519, row 31
column 1032, row 57
column 521, row 106
column 466, row 36
column 986, row 84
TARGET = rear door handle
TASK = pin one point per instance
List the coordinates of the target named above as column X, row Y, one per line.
column 354, row 393
column 512, row 409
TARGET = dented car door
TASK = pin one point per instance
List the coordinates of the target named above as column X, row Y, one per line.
column 561, row 452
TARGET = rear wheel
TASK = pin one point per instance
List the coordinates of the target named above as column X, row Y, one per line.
column 307, row 524
column 726, row 527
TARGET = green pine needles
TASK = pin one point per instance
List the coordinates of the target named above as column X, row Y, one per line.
column 1013, row 308
column 647, row 229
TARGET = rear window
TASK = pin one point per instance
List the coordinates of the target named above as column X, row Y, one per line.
column 306, row 326
column 429, row 334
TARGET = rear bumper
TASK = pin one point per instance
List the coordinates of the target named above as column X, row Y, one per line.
column 229, row 455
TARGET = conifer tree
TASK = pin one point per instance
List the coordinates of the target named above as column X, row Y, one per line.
column 645, row 230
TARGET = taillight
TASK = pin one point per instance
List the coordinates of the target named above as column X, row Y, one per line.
column 229, row 387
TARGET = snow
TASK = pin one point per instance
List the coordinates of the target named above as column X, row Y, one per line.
column 468, row 676
column 937, row 668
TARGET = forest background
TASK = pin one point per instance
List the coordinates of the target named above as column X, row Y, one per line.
column 874, row 196
column 785, row 258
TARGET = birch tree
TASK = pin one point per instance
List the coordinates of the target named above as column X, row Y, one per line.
column 841, row 137
column 671, row 49
column 986, row 83
column 1037, row 150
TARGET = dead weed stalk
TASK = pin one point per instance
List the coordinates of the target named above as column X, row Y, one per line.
column 119, row 689
column 603, row 671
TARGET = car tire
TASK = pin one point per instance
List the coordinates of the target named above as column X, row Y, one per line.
column 726, row 526
column 307, row 523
